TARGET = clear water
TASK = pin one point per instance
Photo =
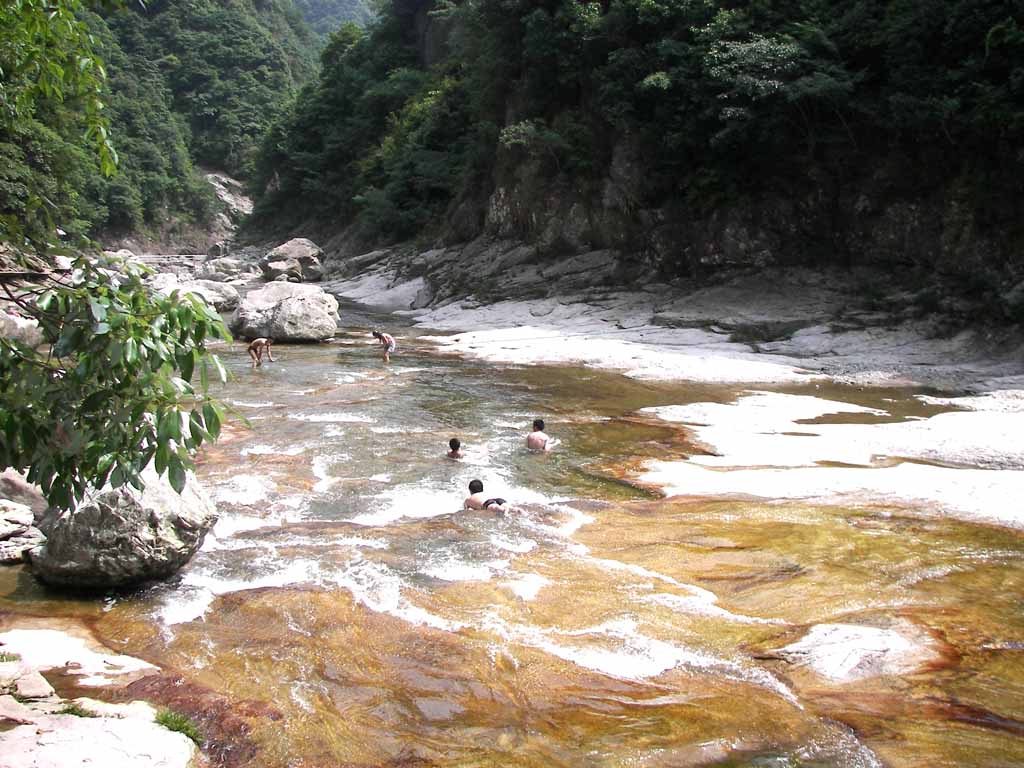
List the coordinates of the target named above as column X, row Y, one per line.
column 596, row 626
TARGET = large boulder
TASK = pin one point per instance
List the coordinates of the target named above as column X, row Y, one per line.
column 226, row 269
column 220, row 296
column 119, row 537
column 287, row 312
column 299, row 258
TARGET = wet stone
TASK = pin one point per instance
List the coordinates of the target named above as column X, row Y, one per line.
column 33, row 686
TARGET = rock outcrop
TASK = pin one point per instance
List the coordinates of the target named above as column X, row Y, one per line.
column 287, row 312
column 226, row 269
column 18, row 533
column 119, row 537
column 219, row 295
column 23, row 330
column 298, row 260
column 41, row 729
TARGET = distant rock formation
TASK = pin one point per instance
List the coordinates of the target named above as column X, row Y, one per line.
column 299, row 260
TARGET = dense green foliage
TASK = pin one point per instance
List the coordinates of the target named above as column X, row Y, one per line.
column 326, row 16
column 718, row 99
column 188, row 82
column 229, row 67
column 109, row 389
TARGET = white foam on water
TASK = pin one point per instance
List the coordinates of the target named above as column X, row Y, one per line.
column 573, row 522
column 320, row 466
column 271, row 450
column 381, row 478
column 701, row 606
column 397, row 430
column 527, row 586
column 618, row 649
column 519, row 546
column 512, row 424
column 244, row 404
column 243, row 490
column 452, row 568
column 199, row 589
column 380, row 589
column 416, row 502
column 333, row 417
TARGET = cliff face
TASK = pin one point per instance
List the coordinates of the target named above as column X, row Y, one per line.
column 544, row 123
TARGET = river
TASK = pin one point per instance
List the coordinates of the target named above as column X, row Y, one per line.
column 350, row 614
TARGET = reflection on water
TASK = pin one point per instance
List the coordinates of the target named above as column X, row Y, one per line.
column 344, row 588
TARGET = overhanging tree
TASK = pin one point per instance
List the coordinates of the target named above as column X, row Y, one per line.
column 110, row 389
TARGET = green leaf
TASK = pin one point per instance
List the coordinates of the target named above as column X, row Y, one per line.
column 176, row 474
column 212, row 419
column 99, row 312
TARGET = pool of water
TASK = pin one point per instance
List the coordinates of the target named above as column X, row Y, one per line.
column 375, row 623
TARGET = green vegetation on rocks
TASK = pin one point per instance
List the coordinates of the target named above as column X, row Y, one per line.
column 175, row 721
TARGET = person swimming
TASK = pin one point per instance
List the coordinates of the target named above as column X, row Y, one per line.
column 455, row 449
column 476, row 499
column 538, row 440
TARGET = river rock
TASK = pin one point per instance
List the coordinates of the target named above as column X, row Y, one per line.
column 118, row 537
column 287, row 312
column 220, row 296
column 848, row 652
column 63, row 741
column 23, row 330
column 223, row 270
column 299, row 257
column 17, row 532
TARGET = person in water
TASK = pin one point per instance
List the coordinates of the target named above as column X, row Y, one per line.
column 476, row 499
column 455, row 449
column 256, row 349
column 387, row 341
column 538, row 440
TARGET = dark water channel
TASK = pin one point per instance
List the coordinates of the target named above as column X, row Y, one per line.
column 345, row 591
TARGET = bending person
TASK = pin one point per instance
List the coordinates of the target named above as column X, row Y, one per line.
column 256, row 349
column 387, row 341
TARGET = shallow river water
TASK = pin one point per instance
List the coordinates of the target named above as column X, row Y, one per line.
column 345, row 612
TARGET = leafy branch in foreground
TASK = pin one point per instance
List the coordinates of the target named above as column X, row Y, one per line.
column 110, row 390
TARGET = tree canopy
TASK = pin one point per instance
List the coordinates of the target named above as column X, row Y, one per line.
column 109, row 389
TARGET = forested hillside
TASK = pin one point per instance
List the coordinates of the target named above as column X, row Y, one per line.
column 814, row 129
column 187, row 82
column 326, row 16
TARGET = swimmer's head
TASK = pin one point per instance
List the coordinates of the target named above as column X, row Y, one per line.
column 476, row 486
column 455, row 443
column 538, row 424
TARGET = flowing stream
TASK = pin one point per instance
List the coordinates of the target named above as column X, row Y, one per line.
column 376, row 624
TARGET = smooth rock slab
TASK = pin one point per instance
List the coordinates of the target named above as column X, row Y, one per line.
column 33, row 685
column 59, row 741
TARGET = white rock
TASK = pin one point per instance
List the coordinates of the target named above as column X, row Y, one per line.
column 848, row 652
column 63, row 741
